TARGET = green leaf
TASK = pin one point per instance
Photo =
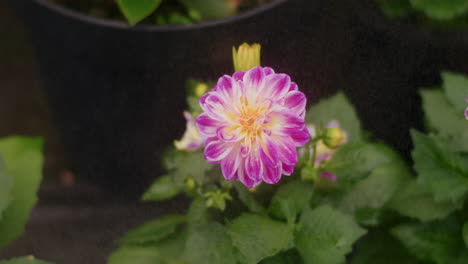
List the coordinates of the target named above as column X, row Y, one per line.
column 395, row 8
column 258, row 237
column 438, row 241
column 376, row 190
column 136, row 10
column 336, row 108
column 326, row 235
column 182, row 165
column 162, row 189
column 248, row 199
column 441, row 9
column 23, row 159
column 24, row 260
column 209, row 243
column 443, row 118
column 456, row 89
column 285, row 257
column 465, row 233
column 290, row 199
column 209, row 9
column 441, row 171
column 6, row 185
column 153, row 231
column 355, row 161
column 167, row 251
column 415, row 201
column 381, row 248
column 194, row 105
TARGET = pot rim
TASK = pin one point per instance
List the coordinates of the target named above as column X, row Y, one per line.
column 157, row 28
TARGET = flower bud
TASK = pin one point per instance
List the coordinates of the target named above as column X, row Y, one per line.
column 334, row 137
column 217, row 199
column 246, row 57
column 309, row 173
column 201, row 89
column 190, row 183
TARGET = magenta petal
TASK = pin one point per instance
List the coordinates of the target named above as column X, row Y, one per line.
column 268, row 71
column 225, row 136
column 225, row 86
column 253, row 79
column 296, row 102
column 230, row 165
column 242, row 177
column 272, row 175
column 288, row 169
column 238, row 76
column 290, row 124
column 269, row 153
column 254, row 166
column 328, row 175
column 276, row 86
column 215, row 106
column 293, row 87
column 466, row 113
column 207, row 125
column 286, row 150
column 300, row 137
column 215, row 151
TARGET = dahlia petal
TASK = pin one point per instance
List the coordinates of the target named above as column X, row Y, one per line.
column 466, row 113
column 290, row 121
column 286, row 150
column 272, row 175
column 288, row 169
column 254, row 166
column 296, row 102
column 230, row 165
column 238, row 76
column 300, row 137
column 276, row 86
column 225, row 135
column 207, row 125
column 293, row 87
column 242, row 177
column 268, row 71
column 225, row 86
column 215, row 106
column 269, row 153
column 254, row 80
column 215, row 151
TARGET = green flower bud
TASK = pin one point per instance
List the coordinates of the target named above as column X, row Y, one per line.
column 309, row 173
column 334, row 137
column 217, row 199
column 201, row 89
column 246, row 57
column 190, row 183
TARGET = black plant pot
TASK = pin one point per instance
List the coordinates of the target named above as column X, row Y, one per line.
column 117, row 92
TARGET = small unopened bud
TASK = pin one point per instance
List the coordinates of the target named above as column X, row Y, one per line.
column 217, row 199
column 190, row 183
column 309, row 173
column 201, row 89
column 334, row 137
column 246, row 57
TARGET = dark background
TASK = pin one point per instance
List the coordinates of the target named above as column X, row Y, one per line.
column 377, row 63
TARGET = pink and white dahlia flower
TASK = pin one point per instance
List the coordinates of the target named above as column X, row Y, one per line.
column 253, row 122
column 466, row 110
column 191, row 140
